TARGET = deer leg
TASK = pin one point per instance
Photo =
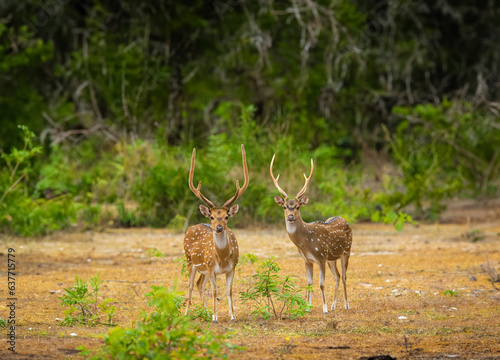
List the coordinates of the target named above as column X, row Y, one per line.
column 309, row 273
column 192, row 275
column 336, row 274
column 322, row 285
column 344, row 261
column 202, row 280
column 229, row 289
column 213, row 283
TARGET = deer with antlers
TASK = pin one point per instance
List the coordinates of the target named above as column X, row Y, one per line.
column 317, row 242
column 212, row 249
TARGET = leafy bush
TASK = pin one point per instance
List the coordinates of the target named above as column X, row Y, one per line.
column 274, row 296
column 21, row 210
column 439, row 154
column 147, row 182
column 163, row 334
column 26, row 216
column 82, row 298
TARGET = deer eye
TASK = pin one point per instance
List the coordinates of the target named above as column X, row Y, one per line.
column 227, row 217
column 211, row 217
column 284, row 207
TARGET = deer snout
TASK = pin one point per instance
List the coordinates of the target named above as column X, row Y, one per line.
column 219, row 228
column 290, row 218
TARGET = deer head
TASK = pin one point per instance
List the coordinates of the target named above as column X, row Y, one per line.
column 219, row 216
column 291, row 206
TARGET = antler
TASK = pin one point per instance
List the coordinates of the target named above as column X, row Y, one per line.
column 275, row 180
column 239, row 190
column 301, row 192
column 197, row 191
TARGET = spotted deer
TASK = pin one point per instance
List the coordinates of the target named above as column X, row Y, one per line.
column 212, row 249
column 318, row 242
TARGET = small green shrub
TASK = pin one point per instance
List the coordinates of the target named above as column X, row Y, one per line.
column 82, row 298
column 198, row 311
column 182, row 262
column 450, row 292
column 474, row 235
column 163, row 334
column 247, row 258
column 273, row 296
column 155, row 252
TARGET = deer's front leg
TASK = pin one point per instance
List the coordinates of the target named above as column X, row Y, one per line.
column 229, row 289
column 322, row 285
column 213, row 283
column 309, row 273
column 192, row 275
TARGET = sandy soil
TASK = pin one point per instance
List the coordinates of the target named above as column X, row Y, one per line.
column 391, row 275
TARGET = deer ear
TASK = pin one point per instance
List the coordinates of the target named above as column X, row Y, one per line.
column 205, row 211
column 233, row 210
column 303, row 201
column 279, row 200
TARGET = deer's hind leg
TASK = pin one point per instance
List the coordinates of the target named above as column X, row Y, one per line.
column 336, row 274
column 200, row 284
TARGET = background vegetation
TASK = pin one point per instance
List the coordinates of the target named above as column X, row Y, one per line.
column 396, row 101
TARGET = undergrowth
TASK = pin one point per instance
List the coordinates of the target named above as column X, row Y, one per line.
column 162, row 334
column 143, row 183
column 84, row 305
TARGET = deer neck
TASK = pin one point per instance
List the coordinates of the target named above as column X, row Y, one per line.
column 220, row 240
column 222, row 248
column 300, row 234
column 295, row 229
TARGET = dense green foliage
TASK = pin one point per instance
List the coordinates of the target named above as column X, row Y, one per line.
column 118, row 93
column 22, row 208
column 162, row 334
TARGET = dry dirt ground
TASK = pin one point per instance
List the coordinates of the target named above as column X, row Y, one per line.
column 435, row 276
